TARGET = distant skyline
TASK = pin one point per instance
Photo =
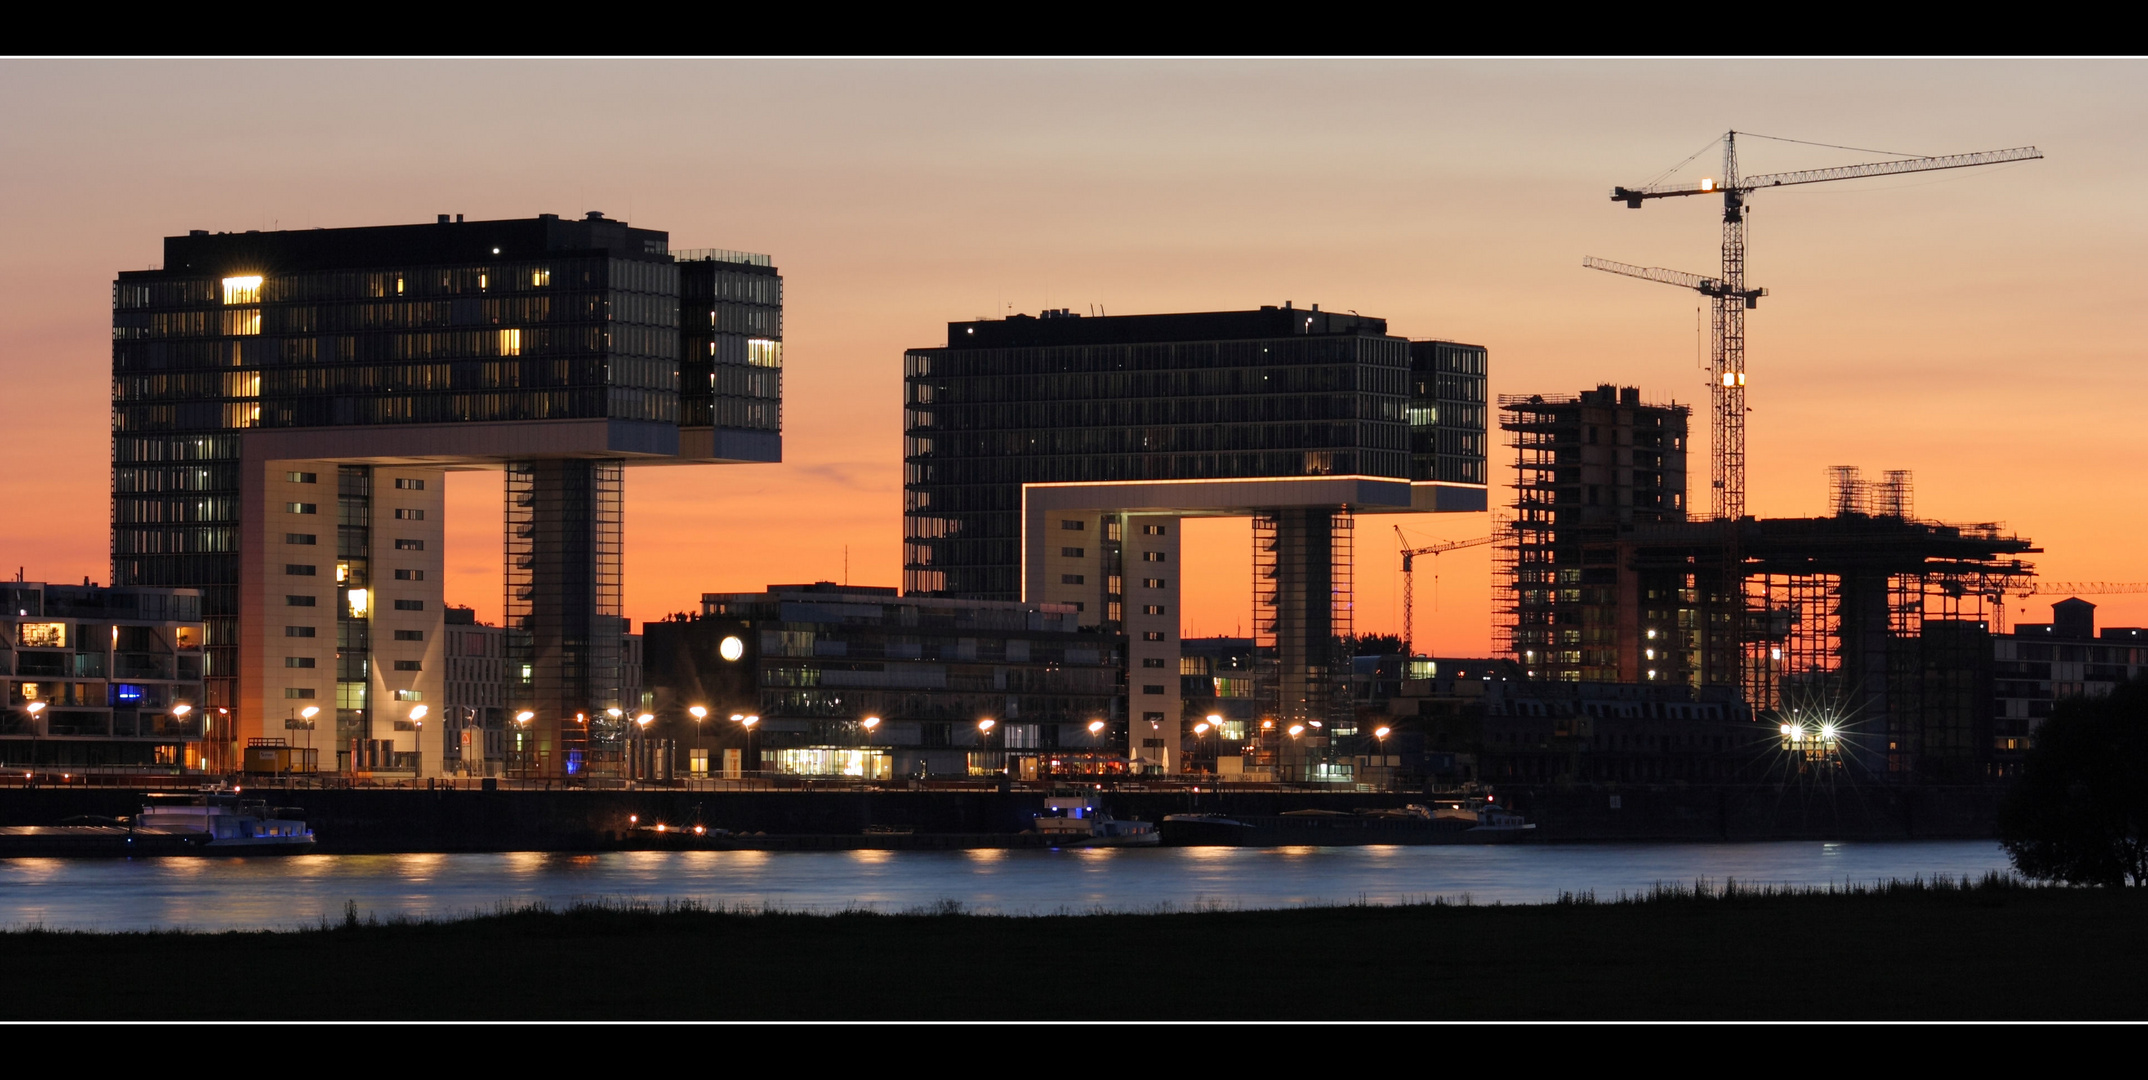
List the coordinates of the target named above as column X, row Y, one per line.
column 1982, row 327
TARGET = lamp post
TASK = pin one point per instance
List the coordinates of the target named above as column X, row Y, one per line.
column 33, row 708
column 699, row 713
column 522, row 728
column 642, row 722
column 869, row 723
column 1379, row 736
column 984, row 739
column 417, row 720
column 747, row 721
column 1295, row 731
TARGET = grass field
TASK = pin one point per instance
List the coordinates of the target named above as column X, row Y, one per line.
column 1988, row 950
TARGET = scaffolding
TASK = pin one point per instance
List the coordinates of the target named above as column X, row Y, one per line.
column 1303, row 615
column 566, row 639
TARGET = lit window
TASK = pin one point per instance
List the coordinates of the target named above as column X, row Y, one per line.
column 300, row 477
column 300, row 508
column 540, row 278
column 761, row 352
column 409, row 695
column 407, row 484
column 510, row 343
column 243, row 290
column 410, row 515
column 50, row 635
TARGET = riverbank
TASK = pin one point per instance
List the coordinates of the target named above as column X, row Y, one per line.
column 358, row 821
column 1994, row 950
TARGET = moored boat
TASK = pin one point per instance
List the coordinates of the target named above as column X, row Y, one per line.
column 1077, row 821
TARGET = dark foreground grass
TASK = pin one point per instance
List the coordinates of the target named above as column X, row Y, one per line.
column 1993, row 949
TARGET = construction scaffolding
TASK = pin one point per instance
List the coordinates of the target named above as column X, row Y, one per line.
column 1303, row 609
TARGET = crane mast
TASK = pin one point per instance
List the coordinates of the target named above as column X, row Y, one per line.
column 1732, row 299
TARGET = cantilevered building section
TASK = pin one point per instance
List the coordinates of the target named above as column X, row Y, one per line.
column 285, row 407
column 1050, row 460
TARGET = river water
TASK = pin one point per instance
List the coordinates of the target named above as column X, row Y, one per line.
column 288, row 893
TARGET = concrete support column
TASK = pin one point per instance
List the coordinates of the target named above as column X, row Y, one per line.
column 1150, row 560
column 563, row 605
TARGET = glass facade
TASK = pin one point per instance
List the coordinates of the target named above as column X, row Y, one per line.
column 1277, row 392
column 731, row 341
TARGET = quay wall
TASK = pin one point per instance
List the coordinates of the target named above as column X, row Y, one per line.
column 357, row 820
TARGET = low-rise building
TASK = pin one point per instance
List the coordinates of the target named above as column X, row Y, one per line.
column 2040, row 664
column 858, row 681
column 101, row 676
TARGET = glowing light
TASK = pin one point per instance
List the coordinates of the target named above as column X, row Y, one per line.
column 1786, row 729
column 525, row 716
column 1707, row 184
column 1215, row 719
column 731, row 648
column 417, row 714
column 1380, row 733
column 242, row 290
column 1297, row 730
column 1827, row 731
column 309, row 712
column 358, row 603
column 182, row 709
column 751, row 720
column 615, row 712
column 987, row 724
column 1200, row 729
column 871, row 722
column 698, row 713
column 1095, row 726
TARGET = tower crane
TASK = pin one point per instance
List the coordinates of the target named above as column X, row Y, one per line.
column 1409, row 576
column 1732, row 299
column 2077, row 588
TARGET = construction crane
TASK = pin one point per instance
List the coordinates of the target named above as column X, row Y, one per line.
column 1732, row 299
column 1409, row 577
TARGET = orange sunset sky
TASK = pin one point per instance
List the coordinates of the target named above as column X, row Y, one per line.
column 1982, row 327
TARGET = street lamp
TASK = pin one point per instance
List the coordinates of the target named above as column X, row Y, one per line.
column 34, row 708
column 699, row 713
column 984, row 737
column 522, row 729
column 417, row 719
column 747, row 720
column 642, row 722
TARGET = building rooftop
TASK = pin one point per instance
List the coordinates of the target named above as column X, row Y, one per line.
column 446, row 240
column 1063, row 327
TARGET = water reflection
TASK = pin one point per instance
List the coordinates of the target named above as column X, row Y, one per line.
column 212, row 894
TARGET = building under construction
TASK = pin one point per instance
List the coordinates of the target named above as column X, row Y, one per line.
column 1870, row 617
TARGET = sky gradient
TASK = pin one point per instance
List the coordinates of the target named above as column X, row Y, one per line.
column 1981, row 327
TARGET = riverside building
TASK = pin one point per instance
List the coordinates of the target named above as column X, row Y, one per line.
column 102, row 677
column 286, row 406
column 1050, row 460
column 858, row 681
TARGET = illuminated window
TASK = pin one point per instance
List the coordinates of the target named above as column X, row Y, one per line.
column 1152, row 609
column 300, row 508
column 1152, row 635
column 510, row 343
column 761, row 352
column 484, row 281
column 1152, row 583
column 409, row 695
column 301, row 477
column 406, row 484
column 1152, row 556
column 50, row 635
column 540, row 278
column 242, row 290
column 1152, row 530
column 410, row 515
column 242, row 322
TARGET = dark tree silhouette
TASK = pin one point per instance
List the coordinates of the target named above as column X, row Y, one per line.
column 2079, row 813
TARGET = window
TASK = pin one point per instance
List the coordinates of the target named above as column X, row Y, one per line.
column 298, row 631
column 1152, row 688
column 298, row 661
column 410, row 635
column 299, row 569
column 1073, row 553
column 410, row 605
column 1153, row 718
column 410, row 575
column 301, row 538
column 410, row 515
column 1152, row 530
column 300, row 477
column 1072, row 526
column 1152, row 661
column 404, row 484
column 410, row 545
column 301, row 508
column 301, row 601
column 410, row 695
column 298, row 692
column 1152, row 609
column 1070, row 579
column 1152, row 635
column 409, row 665
column 1152, row 583
column 1152, row 556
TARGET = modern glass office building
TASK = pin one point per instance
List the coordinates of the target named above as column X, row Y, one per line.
column 1048, row 460
column 285, row 406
